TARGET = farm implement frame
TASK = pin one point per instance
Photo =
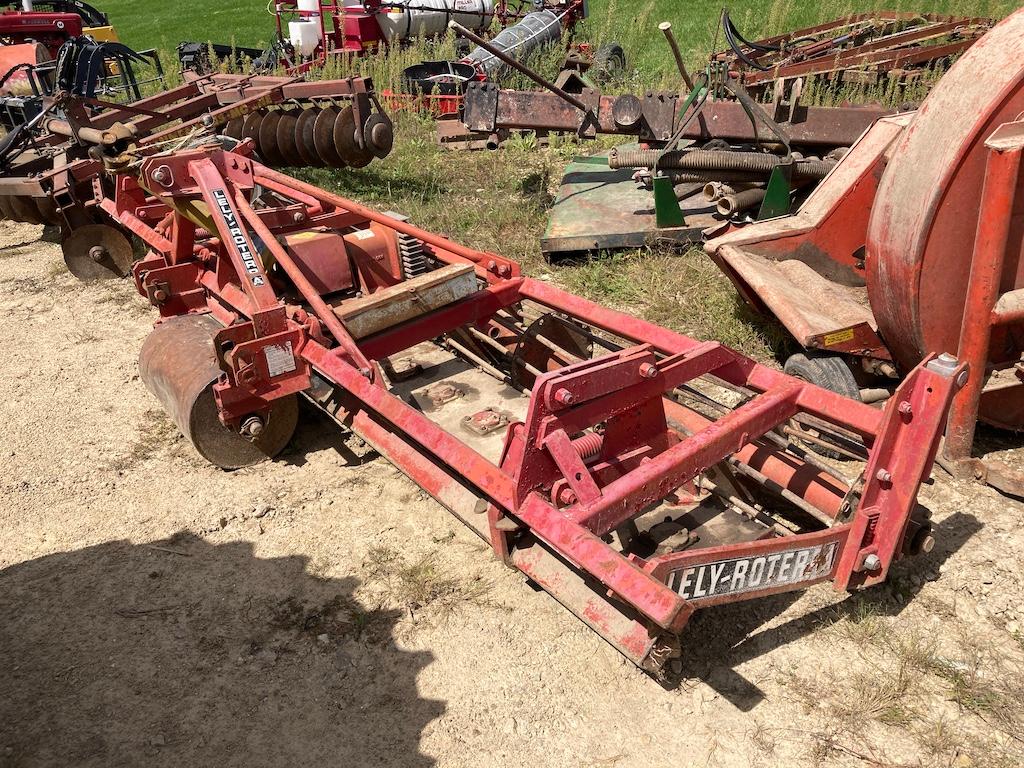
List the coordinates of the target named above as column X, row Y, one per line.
column 576, row 440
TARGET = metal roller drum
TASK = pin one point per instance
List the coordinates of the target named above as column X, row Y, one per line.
column 179, row 366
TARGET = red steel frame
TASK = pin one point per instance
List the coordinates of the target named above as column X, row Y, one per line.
column 891, row 50
column 550, row 503
column 987, row 307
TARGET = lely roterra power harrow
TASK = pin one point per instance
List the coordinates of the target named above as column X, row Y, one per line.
column 591, row 449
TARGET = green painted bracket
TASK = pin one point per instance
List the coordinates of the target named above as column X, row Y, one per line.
column 667, row 212
column 776, row 195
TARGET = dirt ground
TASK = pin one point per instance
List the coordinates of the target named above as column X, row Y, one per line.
column 320, row 610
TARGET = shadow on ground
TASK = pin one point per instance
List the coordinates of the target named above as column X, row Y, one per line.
column 182, row 653
column 719, row 639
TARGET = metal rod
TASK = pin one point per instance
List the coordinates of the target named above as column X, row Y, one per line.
column 785, row 493
column 752, row 513
column 506, row 59
column 807, row 437
column 666, row 27
column 473, row 357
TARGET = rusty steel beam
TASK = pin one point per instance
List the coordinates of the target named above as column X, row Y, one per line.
column 489, row 109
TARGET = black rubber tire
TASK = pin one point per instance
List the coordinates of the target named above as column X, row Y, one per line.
column 609, row 63
column 826, row 371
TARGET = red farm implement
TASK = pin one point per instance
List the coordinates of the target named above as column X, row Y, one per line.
column 586, row 446
column 862, row 49
column 910, row 247
column 311, row 32
column 52, row 174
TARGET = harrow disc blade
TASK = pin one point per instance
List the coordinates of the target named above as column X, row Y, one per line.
column 6, row 208
column 97, row 252
column 178, row 364
column 323, row 138
column 304, row 138
column 48, row 211
column 267, row 143
column 345, row 140
column 251, row 127
column 287, row 144
column 234, row 128
column 25, row 210
column 380, row 134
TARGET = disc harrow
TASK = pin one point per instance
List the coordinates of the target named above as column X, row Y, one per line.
column 314, row 136
column 50, row 172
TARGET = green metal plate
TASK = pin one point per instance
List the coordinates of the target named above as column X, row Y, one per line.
column 598, row 209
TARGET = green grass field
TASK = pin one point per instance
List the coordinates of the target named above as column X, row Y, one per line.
column 499, row 201
column 144, row 24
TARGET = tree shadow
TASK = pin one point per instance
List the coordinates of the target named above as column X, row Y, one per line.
column 181, row 652
column 719, row 639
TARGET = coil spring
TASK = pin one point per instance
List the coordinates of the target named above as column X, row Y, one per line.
column 706, row 161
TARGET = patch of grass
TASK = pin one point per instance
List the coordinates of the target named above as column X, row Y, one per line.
column 684, row 292
column 422, row 583
column 155, row 434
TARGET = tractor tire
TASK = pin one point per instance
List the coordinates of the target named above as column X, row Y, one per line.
column 828, row 372
column 609, row 63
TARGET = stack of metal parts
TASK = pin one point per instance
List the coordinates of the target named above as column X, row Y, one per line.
column 711, row 155
column 861, row 49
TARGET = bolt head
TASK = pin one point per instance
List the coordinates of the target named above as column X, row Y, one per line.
column 252, row 427
column 565, row 397
column 872, row 562
column 648, row 371
column 906, row 409
column 883, row 476
column 97, row 252
column 962, row 377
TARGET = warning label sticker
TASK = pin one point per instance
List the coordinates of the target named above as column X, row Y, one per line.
column 280, row 359
column 839, row 337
